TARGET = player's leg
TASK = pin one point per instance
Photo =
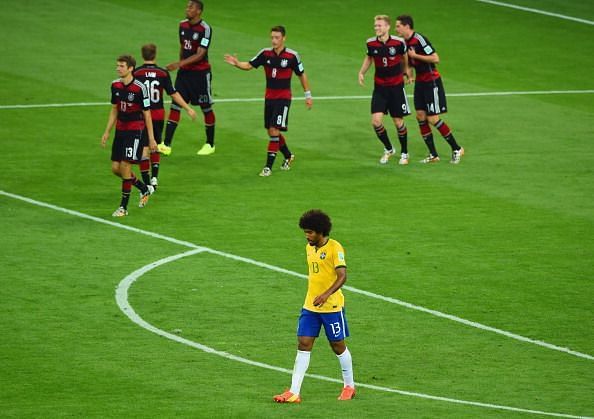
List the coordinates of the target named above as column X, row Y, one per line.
column 155, row 156
column 440, row 107
column 206, row 102
column 308, row 330
column 283, row 147
column 379, row 107
column 275, row 118
column 145, row 163
column 337, row 330
column 423, row 103
column 181, row 85
column 289, row 157
column 117, row 154
column 399, row 108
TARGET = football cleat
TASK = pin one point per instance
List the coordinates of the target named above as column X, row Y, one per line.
column 206, row 150
column 287, row 397
column 154, row 183
column 386, row 156
column 287, row 163
column 144, row 197
column 120, row 212
column 164, row 149
column 403, row 158
column 265, row 172
column 457, row 155
column 347, row 393
column 430, row 159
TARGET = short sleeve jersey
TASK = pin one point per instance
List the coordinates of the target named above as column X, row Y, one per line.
column 322, row 264
column 388, row 59
column 423, row 71
column 131, row 99
column 156, row 80
column 278, row 69
column 192, row 37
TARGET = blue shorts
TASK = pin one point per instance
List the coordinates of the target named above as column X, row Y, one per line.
column 335, row 324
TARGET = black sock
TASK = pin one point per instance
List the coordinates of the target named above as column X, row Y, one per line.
column 210, row 131
column 285, row 150
column 403, row 138
column 141, row 186
column 428, row 137
column 270, row 159
column 382, row 134
column 169, row 132
column 447, row 134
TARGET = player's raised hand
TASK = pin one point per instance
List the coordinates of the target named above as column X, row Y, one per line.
column 231, row 59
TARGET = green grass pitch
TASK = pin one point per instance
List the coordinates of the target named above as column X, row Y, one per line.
column 505, row 239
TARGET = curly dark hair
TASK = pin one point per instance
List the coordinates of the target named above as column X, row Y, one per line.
column 316, row 220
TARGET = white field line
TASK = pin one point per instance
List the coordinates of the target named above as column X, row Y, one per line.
column 538, row 11
column 292, row 273
column 124, row 305
column 367, row 97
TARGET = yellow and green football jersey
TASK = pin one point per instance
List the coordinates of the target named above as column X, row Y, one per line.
column 322, row 264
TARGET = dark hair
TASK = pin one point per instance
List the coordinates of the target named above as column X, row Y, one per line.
column 149, row 52
column 406, row 20
column 279, row 28
column 199, row 4
column 128, row 59
column 316, row 220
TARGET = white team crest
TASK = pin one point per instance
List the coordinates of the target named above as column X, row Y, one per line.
column 392, row 51
column 130, row 97
column 323, row 255
column 195, row 36
column 284, row 63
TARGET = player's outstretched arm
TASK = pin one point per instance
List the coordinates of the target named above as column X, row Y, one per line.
column 232, row 60
column 113, row 113
column 177, row 98
column 364, row 67
column 305, row 84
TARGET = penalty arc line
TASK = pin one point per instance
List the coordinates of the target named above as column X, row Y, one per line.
column 296, row 274
column 353, row 97
column 122, row 292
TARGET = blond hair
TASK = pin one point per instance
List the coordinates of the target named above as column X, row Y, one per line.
column 385, row 18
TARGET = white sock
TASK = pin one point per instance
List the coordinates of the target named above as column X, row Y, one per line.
column 301, row 364
column 346, row 364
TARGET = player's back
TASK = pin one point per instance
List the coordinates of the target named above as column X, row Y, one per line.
column 156, row 80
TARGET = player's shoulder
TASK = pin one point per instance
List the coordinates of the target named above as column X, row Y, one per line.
column 265, row 51
column 117, row 83
column 335, row 244
column 397, row 39
column 139, row 85
column 372, row 40
column 422, row 39
column 205, row 25
column 292, row 52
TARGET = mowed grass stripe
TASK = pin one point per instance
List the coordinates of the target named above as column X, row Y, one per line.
column 289, row 272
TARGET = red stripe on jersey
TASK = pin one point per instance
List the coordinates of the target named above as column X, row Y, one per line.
column 278, row 70
column 423, row 71
column 192, row 37
column 388, row 60
column 130, row 104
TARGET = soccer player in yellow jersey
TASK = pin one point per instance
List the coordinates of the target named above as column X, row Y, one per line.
column 324, row 305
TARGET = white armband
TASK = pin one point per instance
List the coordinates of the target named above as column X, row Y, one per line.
column 307, row 94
